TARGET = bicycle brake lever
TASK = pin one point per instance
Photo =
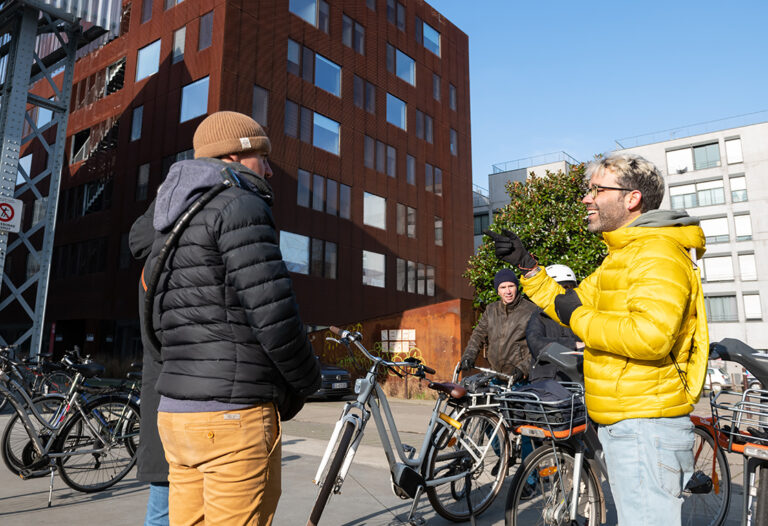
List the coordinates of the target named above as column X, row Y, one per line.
column 329, row 339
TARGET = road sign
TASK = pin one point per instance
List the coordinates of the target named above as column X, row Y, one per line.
column 10, row 214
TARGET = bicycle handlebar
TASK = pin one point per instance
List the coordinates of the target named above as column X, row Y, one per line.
column 354, row 337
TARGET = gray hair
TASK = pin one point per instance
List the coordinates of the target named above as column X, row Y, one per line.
column 635, row 172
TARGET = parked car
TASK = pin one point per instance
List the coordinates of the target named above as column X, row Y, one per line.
column 336, row 383
column 717, row 379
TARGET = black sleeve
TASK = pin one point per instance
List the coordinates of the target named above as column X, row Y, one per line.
column 142, row 234
column 542, row 330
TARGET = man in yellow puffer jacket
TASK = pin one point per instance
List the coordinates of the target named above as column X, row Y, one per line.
column 641, row 316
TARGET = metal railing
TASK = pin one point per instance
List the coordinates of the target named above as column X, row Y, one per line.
column 546, row 158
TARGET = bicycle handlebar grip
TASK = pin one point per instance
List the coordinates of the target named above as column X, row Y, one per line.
column 428, row 370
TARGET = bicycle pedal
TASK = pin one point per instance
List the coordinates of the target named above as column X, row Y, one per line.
column 26, row 474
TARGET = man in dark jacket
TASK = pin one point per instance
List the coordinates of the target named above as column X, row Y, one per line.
column 502, row 329
column 151, row 465
column 232, row 342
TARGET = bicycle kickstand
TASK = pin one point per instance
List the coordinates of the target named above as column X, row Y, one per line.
column 416, row 521
column 468, row 492
column 50, row 486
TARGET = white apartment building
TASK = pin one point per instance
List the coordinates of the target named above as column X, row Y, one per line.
column 722, row 177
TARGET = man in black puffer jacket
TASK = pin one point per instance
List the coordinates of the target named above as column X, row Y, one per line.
column 232, row 343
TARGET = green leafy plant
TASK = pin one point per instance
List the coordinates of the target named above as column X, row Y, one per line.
column 550, row 219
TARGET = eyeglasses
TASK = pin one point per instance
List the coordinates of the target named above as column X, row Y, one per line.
column 596, row 189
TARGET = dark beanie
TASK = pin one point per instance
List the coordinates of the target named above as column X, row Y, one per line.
column 505, row 274
column 226, row 132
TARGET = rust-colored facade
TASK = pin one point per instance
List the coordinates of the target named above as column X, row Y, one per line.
column 93, row 289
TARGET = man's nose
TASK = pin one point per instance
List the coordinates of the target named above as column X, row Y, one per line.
column 268, row 170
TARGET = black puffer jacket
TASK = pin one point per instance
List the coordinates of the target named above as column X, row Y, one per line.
column 224, row 310
column 540, row 332
column 502, row 328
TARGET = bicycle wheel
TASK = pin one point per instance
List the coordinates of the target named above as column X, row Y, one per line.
column 329, row 480
column 761, row 500
column 56, row 382
column 17, row 449
column 98, row 454
column 707, row 495
column 454, row 451
column 542, row 490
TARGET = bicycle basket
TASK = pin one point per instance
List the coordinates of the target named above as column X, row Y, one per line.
column 555, row 407
column 742, row 417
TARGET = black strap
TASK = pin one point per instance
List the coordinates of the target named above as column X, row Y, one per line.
column 229, row 179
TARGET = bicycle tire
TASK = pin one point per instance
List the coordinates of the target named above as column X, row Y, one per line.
column 448, row 456
column 92, row 466
column 328, row 481
column 16, row 447
column 3, row 401
column 707, row 508
column 761, row 500
column 56, row 382
column 546, row 503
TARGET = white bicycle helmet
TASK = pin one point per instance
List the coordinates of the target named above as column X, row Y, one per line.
column 561, row 274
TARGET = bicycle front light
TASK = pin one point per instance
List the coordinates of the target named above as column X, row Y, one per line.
column 757, row 452
column 358, row 385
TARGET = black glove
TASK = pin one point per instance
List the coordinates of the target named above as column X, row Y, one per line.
column 466, row 364
column 509, row 248
column 517, row 375
column 565, row 304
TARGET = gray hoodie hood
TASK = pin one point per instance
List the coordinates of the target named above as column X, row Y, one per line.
column 660, row 218
column 188, row 180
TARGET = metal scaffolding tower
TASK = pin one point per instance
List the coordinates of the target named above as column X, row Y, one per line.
column 38, row 44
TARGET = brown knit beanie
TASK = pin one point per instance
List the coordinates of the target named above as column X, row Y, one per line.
column 226, row 132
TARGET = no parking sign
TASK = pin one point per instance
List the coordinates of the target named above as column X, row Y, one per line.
column 10, row 214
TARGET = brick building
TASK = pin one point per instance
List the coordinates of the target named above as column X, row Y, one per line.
column 366, row 103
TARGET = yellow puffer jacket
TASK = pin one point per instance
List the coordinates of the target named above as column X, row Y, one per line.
column 642, row 306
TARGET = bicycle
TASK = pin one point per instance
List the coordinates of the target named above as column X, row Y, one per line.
column 37, row 378
column 567, row 472
column 741, row 421
column 462, row 460
column 88, row 441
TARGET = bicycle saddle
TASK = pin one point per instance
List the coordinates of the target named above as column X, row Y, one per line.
column 451, row 389
column 89, row 370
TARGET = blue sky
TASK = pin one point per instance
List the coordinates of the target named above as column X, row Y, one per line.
column 574, row 76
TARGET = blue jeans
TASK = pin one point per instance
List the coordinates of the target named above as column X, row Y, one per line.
column 157, row 505
column 649, row 462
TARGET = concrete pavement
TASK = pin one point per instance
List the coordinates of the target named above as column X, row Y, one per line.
column 366, row 498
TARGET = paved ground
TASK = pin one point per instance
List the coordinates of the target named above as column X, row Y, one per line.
column 366, row 499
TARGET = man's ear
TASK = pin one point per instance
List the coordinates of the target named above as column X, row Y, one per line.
column 633, row 201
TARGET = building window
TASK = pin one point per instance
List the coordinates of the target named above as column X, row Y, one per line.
column 146, row 10
column 718, row 268
column 418, row 30
column 747, row 267
column 391, row 161
column 401, row 219
column 752, row 308
column 454, row 142
column 330, row 260
column 743, row 227
column 260, row 105
column 431, row 39
column 410, row 165
column 323, row 259
column 439, row 231
column 115, row 79
column 374, row 270
column 733, row 151
column 435, row 86
column 452, row 97
column 429, row 177
column 390, row 58
column 148, row 60
column 294, row 57
column 369, row 146
column 295, row 250
column 318, row 192
column 410, row 222
column 715, row 230
column 421, row 279
column 430, row 280
column 391, row 11
column 371, row 4
column 179, row 38
column 194, row 99
column 396, row 111
column 411, row 276
column 401, row 274
column 428, row 129
column 706, row 156
column 327, row 75
column 721, row 309
column 345, row 201
column 353, row 34
column 326, row 134
column 374, row 211
column 331, row 197
column 205, row 38
column 679, row 161
column 364, row 95
column 305, row 124
column 310, row 11
column 481, row 223
column 358, row 91
column 370, row 98
column 170, row 3
column 418, row 118
column 400, row 16
column 699, row 194
column 405, row 67
column 138, row 114
column 738, row 189
column 323, row 17
column 438, row 181
column 291, row 126
column 381, row 160
column 302, row 188
column 142, row 182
